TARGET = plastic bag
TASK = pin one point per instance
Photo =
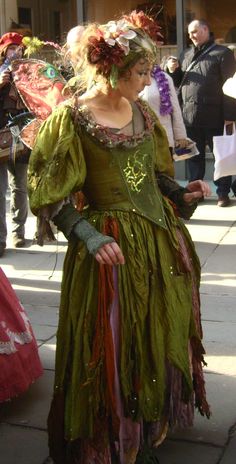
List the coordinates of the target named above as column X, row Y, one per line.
column 224, row 149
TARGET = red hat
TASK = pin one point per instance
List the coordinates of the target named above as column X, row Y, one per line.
column 10, row 38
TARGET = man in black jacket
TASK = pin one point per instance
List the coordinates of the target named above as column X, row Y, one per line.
column 200, row 74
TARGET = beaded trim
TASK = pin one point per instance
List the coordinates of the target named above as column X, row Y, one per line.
column 105, row 135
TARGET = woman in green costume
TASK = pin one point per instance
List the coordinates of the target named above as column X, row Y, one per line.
column 129, row 354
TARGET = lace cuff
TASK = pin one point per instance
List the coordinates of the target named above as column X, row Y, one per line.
column 172, row 190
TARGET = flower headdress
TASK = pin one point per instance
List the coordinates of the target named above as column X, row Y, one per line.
column 118, row 44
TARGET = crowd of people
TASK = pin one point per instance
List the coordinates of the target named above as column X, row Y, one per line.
column 129, row 358
column 199, row 76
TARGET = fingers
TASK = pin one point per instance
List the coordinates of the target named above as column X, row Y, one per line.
column 5, row 77
column 199, row 186
column 204, row 191
column 207, row 190
column 198, row 189
column 110, row 254
column 190, row 197
column 172, row 64
column 182, row 143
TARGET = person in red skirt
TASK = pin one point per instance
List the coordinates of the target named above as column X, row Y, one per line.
column 20, row 365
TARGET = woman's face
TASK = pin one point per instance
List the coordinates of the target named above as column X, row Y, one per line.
column 14, row 50
column 135, row 80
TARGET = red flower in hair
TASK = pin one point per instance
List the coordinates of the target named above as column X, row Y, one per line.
column 104, row 55
column 144, row 22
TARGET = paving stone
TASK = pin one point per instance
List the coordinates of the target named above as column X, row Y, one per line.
column 22, row 445
column 180, row 452
column 31, row 409
column 43, row 332
column 229, row 456
column 221, row 309
column 221, row 397
column 43, row 315
column 47, row 354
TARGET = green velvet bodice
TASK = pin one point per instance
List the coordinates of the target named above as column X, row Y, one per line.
column 122, row 179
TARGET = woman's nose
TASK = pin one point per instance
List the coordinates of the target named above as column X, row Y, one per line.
column 148, row 79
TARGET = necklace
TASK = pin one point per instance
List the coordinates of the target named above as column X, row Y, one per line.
column 164, row 90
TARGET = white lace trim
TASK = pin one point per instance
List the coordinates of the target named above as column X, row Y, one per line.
column 15, row 337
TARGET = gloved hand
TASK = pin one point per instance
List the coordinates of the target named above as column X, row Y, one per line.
column 71, row 223
column 90, row 236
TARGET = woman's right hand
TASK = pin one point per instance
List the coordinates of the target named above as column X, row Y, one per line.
column 110, row 254
column 197, row 189
column 5, row 78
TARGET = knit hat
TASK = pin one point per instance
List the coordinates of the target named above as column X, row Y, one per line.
column 10, row 38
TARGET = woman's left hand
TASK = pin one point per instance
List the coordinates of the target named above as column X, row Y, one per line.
column 197, row 189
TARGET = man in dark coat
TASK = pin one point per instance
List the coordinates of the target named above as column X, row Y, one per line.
column 200, row 74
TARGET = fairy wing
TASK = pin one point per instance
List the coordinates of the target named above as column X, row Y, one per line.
column 39, row 84
column 29, row 132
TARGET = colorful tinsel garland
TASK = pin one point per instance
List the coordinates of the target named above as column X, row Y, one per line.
column 164, row 90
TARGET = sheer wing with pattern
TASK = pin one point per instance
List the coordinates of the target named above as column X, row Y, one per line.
column 40, row 86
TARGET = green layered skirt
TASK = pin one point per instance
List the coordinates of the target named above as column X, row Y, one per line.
column 158, row 329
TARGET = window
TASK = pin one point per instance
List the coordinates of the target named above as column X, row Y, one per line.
column 56, row 22
column 25, row 17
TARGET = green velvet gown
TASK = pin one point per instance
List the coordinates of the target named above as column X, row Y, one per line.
column 150, row 356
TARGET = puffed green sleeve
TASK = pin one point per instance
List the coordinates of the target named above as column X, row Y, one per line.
column 57, row 166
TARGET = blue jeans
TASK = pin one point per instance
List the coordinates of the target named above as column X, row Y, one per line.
column 19, row 198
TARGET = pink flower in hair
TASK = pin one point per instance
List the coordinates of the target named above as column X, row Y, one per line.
column 119, row 32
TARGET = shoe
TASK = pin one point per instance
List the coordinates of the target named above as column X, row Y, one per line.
column 18, row 242
column 223, row 201
column 2, row 249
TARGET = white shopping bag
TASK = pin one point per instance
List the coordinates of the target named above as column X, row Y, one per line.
column 224, row 149
column 229, row 87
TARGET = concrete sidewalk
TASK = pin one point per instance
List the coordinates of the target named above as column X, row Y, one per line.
column 35, row 273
